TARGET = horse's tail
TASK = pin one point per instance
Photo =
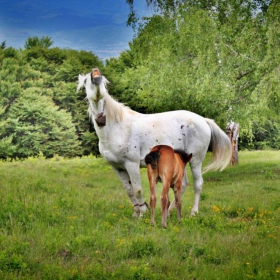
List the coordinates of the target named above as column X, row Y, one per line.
column 220, row 146
column 152, row 158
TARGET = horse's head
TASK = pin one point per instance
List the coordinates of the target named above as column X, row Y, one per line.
column 93, row 82
column 95, row 85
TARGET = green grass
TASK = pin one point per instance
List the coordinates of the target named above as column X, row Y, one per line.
column 71, row 219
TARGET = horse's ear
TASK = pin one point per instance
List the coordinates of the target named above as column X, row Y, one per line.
column 81, row 81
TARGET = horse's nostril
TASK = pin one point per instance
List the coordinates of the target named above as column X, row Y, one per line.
column 97, row 80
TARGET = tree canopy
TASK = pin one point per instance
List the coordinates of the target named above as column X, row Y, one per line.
column 220, row 59
column 39, row 107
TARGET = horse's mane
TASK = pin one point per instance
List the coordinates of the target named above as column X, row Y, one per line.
column 114, row 109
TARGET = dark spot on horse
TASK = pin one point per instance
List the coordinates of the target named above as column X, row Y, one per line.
column 135, row 147
column 179, row 139
column 182, row 126
column 183, row 134
column 129, row 182
column 156, row 140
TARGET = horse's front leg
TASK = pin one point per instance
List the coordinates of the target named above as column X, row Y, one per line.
column 124, row 177
column 133, row 171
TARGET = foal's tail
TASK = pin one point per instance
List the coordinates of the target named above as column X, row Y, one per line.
column 152, row 158
column 220, row 146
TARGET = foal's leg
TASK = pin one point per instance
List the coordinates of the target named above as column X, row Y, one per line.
column 177, row 194
column 164, row 201
column 198, row 182
column 182, row 190
column 123, row 175
column 152, row 175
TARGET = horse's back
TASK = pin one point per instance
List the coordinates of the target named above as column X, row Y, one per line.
column 179, row 129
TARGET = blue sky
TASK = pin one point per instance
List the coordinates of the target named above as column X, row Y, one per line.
column 92, row 25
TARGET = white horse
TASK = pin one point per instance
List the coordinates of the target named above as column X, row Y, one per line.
column 126, row 137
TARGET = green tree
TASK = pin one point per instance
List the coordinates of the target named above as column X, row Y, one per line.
column 37, row 125
column 40, row 109
column 3, row 45
column 44, row 42
column 216, row 58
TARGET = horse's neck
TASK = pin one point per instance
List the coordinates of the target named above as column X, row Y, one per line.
column 117, row 113
column 116, row 119
column 113, row 109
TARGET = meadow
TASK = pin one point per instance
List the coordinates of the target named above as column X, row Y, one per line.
column 71, row 219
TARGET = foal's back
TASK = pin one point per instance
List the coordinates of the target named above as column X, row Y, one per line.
column 167, row 163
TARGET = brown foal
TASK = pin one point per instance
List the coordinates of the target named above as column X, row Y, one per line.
column 168, row 166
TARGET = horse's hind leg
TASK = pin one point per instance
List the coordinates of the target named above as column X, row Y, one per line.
column 123, row 175
column 198, row 182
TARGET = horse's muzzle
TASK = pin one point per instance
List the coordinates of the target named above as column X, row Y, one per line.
column 96, row 76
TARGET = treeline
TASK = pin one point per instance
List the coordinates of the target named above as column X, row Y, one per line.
column 220, row 59
column 40, row 111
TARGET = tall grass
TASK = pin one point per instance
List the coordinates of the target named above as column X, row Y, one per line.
column 71, row 219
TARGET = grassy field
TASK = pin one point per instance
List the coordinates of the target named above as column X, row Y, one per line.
column 71, row 219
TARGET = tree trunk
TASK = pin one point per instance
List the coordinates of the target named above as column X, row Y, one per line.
column 232, row 131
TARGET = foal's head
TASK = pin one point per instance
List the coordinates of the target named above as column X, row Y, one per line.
column 183, row 155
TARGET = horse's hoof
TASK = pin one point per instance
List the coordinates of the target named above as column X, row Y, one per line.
column 143, row 208
column 135, row 215
column 193, row 214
